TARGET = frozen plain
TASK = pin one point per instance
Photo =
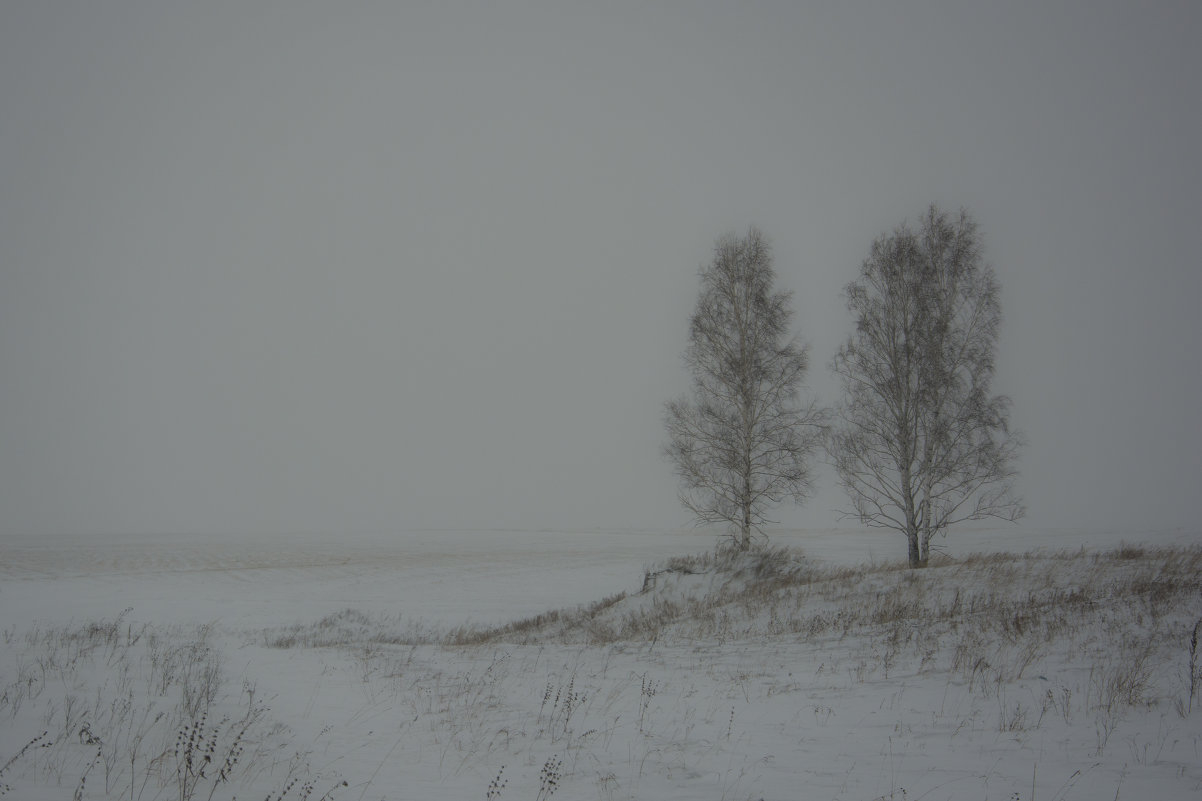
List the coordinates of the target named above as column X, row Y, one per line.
column 757, row 710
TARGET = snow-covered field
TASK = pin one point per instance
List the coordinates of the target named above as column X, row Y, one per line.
column 214, row 668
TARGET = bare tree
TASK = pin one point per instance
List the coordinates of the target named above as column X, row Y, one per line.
column 920, row 443
column 743, row 441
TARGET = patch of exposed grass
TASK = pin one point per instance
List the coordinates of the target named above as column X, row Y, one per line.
column 132, row 712
column 729, row 594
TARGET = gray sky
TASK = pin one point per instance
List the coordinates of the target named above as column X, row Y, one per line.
column 302, row 266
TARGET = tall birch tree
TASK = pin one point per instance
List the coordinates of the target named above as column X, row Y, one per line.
column 742, row 442
column 920, row 442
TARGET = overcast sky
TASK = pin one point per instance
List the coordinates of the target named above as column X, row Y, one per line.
column 312, row 267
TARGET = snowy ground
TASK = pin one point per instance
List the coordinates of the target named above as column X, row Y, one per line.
column 1042, row 677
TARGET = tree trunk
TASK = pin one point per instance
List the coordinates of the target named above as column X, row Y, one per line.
column 746, row 543
column 912, row 535
column 925, row 531
column 915, row 552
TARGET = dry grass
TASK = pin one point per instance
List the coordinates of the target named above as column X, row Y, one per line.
column 134, row 712
column 1021, row 597
column 1024, row 599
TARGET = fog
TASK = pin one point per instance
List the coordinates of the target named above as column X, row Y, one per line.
column 311, row 267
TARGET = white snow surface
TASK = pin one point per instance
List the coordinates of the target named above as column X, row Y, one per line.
column 763, row 716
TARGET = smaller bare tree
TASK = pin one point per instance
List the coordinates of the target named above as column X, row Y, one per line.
column 743, row 441
column 920, row 442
